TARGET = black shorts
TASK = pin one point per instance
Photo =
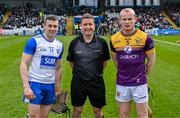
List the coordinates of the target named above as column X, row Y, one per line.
column 94, row 89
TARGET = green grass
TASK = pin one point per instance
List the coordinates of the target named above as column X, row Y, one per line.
column 164, row 79
column 169, row 38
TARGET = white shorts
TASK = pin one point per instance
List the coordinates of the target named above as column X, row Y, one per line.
column 126, row 93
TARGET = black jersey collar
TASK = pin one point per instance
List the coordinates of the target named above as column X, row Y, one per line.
column 93, row 40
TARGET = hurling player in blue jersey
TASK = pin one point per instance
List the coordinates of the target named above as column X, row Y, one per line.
column 40, row 69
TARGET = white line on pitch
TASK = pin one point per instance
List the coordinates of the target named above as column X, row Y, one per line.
column 167, row 42
column 7, row 37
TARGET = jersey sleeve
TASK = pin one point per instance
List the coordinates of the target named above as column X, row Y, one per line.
column 149, row 45
column 62, row 51
column 106, row 55
column 112, row 47
column 70, row 55
column 30, row 46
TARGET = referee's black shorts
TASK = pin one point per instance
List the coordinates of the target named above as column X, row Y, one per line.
column 94, row 89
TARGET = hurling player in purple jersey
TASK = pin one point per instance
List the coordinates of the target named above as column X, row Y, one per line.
column 133, row 54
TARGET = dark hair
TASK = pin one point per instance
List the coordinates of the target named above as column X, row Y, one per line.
column 87, row 16
column 50, row 17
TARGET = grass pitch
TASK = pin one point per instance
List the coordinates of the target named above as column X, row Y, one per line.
column 165, row 79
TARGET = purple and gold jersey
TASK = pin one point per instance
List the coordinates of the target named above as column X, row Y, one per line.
column 131, row 52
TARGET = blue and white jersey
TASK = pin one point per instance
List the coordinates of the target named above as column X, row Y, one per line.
column 45, row 55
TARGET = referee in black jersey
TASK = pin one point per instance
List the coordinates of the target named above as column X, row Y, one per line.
column 88, row 55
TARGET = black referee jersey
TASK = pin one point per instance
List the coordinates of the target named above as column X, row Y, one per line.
column 88, row 58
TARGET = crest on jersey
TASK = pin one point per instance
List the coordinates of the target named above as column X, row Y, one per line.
column 128, row 49
column 138, row 41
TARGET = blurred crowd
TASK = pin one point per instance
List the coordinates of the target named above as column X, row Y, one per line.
column 31, row 18
column 3, row 8
column 23, row 17
column 174, row 14
column 148, row 18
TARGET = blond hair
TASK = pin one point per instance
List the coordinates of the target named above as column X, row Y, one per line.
column 127, row 10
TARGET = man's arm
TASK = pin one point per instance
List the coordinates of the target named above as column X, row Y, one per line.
column 104, row 64
column 114, row 56
column 25, row 60
column 113, row 53
column 70, row 56
column 71, row 64
column 150, row 54
column 150, row 62
column 58, row 76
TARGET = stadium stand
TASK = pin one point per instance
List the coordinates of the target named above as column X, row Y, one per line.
column 174, row 14
column 23, row 17
column 3, row 8
column 151, row 19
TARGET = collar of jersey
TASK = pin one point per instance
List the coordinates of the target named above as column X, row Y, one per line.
column 47, row 39
column 125, row 35
column 93, row 40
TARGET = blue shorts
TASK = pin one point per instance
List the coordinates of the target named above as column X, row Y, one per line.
column 44, row 93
